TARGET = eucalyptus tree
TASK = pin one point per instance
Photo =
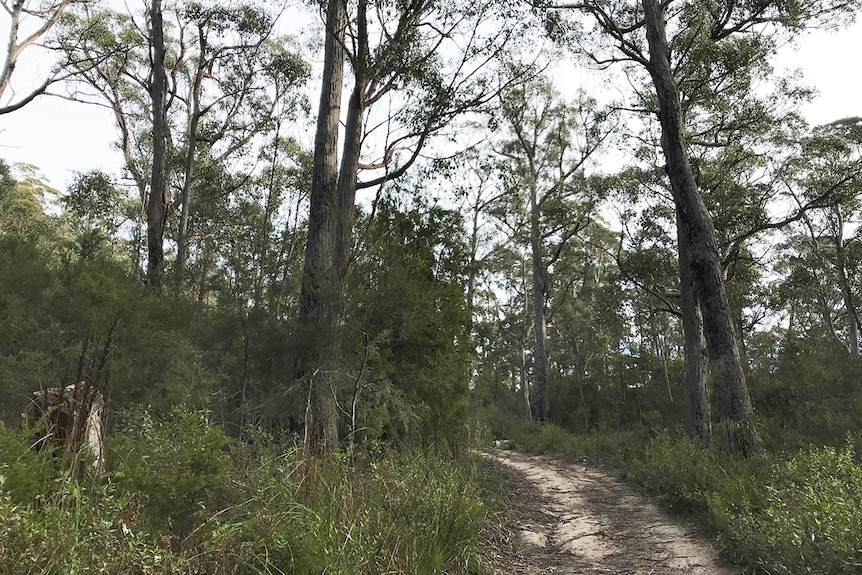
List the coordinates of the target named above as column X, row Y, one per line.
column 243, row 100
column 650, row 252
column 31, row 26
column 96, row 211
column 512, row 321
column 475, row 181
column 739, row 156
column 158, row 200
column 497, row 277
column 416, row 66
column 714, row 44
column 23, row 193
column 824, row 248
column 282, row 189
column 545, row 152
column 591, row 330
column 250, row 247
column 226, row 77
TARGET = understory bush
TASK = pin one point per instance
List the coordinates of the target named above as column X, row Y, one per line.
column 74, row 530
column 181, row 497
column 24, row 473
column 807, row 518
column 548, row 438
column 178, row 468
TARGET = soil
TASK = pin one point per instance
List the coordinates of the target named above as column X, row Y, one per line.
column 576, row 518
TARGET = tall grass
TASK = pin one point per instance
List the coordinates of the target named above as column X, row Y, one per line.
column 242, row 508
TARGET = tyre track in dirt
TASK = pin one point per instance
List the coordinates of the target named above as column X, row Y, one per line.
column 574, row 519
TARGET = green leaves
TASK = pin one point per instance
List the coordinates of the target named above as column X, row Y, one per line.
column 808, row 520
column 177, row 466
column 409, row 303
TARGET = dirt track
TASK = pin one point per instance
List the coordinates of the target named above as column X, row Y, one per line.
column 574, row 519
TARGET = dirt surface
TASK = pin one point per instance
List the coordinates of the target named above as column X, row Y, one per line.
column 571, row 518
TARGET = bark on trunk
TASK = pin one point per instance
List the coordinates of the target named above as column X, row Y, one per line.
column 732, row 429
column 524, row 382
column 349, row 170
column 846, row 292
column 473, row 269
column 320, row 295
column 698, row 421
column 540, row 355
column 347, row 178
column 188, row 176
column 158, row 198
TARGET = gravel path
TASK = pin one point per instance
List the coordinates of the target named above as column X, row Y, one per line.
column 574, row 519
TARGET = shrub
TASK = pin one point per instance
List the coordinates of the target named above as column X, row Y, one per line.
column 179, row 502
column 404, row 515
column 809, row 519
column 547, row 438
column 178, row 467
column 504, row 425
column 74, row 530
column 24, row 473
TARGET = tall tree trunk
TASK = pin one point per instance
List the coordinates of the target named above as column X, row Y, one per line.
column 846, row 292
column 524, row 381
column 540, row 355
column 349, row 170
column 698, row 420
column 264, row 270
column 473, row 268
column 319, row 298
column 347, row 179
column 732, row 429
column 188, row 175
column 158, row 198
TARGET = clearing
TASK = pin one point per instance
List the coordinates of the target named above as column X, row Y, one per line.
column 571, row 518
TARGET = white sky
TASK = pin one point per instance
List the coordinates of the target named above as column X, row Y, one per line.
column 832, row 63
column 62, row 137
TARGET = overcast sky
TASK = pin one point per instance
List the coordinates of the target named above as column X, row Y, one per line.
column 61, row 137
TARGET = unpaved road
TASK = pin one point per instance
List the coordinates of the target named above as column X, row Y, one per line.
column 575, row 519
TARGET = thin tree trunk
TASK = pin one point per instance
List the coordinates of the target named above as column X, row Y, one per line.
column 852, row 315
column 823, row 301
column 732, row 403
column 473, row 268
column 157, row 204
column 263, row 243
column 524, row 382
column 347, row 179
column 319, row 298
column 141, row 182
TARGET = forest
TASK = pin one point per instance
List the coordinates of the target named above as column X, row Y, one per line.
column 354, row 242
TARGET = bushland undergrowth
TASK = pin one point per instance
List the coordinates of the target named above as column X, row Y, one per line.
column 780, row 514
column 182, row 497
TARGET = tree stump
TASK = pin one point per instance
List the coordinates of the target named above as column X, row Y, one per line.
column 70, row 419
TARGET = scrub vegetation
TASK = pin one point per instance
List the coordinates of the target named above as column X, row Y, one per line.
column 329, row 269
